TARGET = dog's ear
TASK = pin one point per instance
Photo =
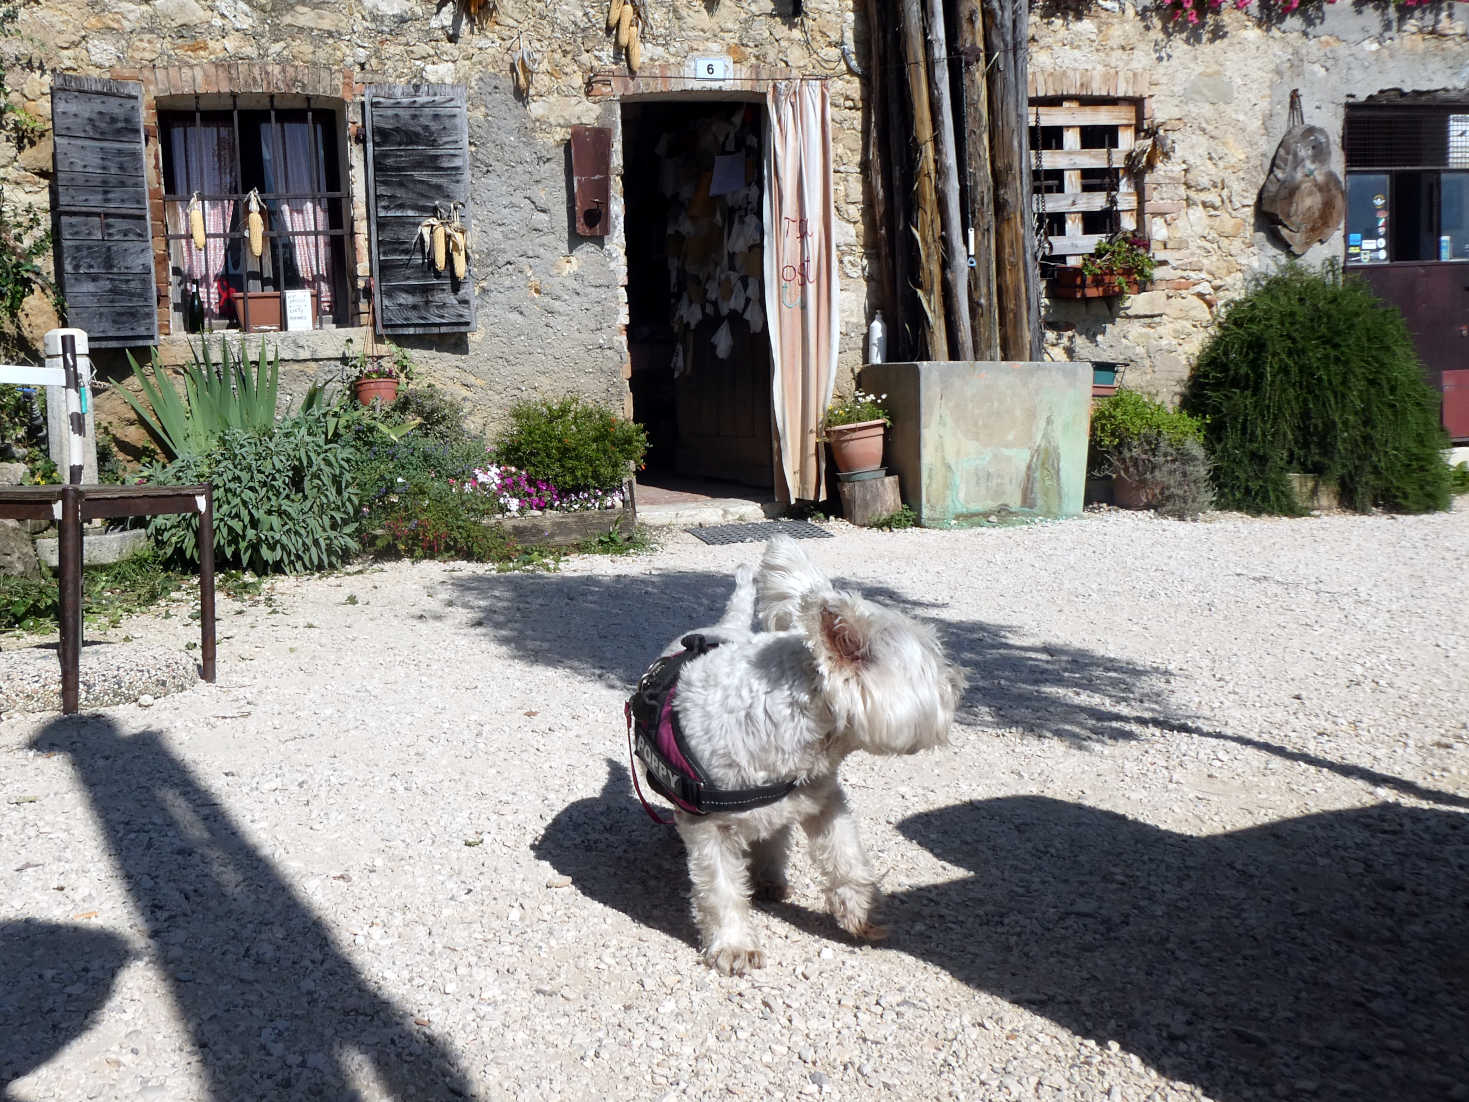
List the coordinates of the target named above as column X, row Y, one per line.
column 844, row 634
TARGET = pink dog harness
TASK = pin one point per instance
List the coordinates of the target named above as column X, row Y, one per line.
column 657, row 740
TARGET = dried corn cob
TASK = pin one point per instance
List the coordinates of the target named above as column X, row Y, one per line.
column 624, row 25
column 458, row 253
column 440, row 246
column 196, row 221
column 614, row 14
column 635, row 48
column 255, row 223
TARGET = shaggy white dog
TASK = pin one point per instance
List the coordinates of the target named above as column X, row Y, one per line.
column 832, row 673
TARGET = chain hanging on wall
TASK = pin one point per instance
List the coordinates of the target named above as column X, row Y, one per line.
column 1114, row 182
column 1042, row 223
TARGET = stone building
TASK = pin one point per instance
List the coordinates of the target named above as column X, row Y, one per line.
column 618, row 241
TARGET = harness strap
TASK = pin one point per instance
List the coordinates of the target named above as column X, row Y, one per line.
column 632, row 767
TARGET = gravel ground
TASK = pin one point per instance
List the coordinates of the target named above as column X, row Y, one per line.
column 1201, row 833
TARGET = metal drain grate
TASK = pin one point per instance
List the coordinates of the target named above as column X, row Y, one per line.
column 760, row 531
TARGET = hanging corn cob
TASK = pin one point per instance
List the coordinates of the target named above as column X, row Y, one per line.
column 255, row 223
column 614, row 13
column 520, row 71
column 196, row 221
column 458, row 240
column 624, row 24
column 635, row 48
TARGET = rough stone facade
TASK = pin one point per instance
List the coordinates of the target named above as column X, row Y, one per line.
column 1222, row 96
column 552, row 311
column 551, row 307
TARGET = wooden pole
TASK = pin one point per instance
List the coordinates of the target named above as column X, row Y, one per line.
column 981, row 184
column 905, row 328
column 955, row 252
column 1031, row 261
column 926, row 225
column 1016, row 272
column 878, row 183
column 69, row 562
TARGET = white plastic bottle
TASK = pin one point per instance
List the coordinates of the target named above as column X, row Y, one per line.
column 877, row 339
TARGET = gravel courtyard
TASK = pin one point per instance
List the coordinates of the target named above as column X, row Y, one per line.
column 1201, row 833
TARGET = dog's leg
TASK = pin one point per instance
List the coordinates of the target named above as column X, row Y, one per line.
column 719, row 870
column 851, row 889
column 768, row 864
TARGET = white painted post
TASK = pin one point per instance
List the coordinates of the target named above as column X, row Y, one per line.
column 73, row 439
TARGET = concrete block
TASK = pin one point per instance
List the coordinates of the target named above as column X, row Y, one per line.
column 982, row 442
column 99, row 548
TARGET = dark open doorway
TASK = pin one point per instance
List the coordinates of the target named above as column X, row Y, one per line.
column 694, row 227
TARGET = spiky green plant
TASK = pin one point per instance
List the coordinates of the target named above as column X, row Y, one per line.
column 230, row 394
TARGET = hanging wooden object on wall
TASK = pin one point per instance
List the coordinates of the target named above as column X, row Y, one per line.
column 1302, row 196
column 591, row 173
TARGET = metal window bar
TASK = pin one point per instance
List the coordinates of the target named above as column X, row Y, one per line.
column 336, row 257
column 1406, row 138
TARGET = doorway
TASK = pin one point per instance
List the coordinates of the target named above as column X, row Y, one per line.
column 693, row 188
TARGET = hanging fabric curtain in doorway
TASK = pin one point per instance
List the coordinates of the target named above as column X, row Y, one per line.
column 800, row 278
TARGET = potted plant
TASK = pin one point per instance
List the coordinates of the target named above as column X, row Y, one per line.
column 854, row 428
column 1118, row 266
column 377, row 379
column 1154, row 455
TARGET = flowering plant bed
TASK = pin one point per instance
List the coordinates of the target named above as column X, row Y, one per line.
column 536, row 513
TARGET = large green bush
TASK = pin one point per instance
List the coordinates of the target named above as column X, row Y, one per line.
column 284, row 499
column 571, row 444
column 1311, row 372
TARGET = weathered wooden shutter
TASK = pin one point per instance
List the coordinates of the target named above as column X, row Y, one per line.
column 417, row 166
column 104, row 250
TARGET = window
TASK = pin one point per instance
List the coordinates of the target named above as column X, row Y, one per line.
column 1083, row 192
column 283, row 153
column 1407, row 183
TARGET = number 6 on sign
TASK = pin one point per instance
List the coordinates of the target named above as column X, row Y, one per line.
column 713, row 68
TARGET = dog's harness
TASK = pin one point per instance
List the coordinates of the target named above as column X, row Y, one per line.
column 655, row 737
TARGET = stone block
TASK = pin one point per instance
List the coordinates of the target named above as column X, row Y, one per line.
column 97, row 548
column 17, row 553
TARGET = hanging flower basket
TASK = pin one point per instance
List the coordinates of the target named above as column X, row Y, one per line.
column 1075, row 283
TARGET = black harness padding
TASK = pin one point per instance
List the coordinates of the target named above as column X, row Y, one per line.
column 673, row 769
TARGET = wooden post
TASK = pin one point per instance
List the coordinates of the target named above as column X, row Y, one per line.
column 877, row 167
column 926, row 225
column 955, row 251
column 1017, row 274
column 206, row 584
column 905, row 325
column 981, row 185
column 69, row 563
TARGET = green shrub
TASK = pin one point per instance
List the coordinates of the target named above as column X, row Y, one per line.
column 28, row 604
column 572, row 444
column 1311, row 372
column 22, row 431
column 1129, row 418
column 217, row 397
column 1459, row 478
column 438, row 416
column 284, row 500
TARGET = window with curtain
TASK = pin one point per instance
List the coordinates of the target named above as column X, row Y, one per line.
column 216, row 159
column 1407, row 183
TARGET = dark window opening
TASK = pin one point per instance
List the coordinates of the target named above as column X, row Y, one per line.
column 286, row 159
column 1407, row 184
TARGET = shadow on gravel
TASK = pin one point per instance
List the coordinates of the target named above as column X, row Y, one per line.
column 53, row 980
column 617, row 856
column 1324, row 956
column 610, row 629
column 274, row 1008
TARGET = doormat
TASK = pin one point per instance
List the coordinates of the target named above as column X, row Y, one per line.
column 760, row 531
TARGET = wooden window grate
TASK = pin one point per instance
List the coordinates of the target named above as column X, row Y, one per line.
column 1079, row 150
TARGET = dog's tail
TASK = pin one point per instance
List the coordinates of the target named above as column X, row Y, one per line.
column 786, row 576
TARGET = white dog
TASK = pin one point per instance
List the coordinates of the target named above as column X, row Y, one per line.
column 761, row 723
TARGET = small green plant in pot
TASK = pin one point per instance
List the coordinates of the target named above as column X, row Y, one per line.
column 854, row 427
column 1154, row 455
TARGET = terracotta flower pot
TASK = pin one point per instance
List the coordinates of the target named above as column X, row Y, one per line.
column 1128, row 493
column 369, row 390
column 857, row 447
column 1074, row 283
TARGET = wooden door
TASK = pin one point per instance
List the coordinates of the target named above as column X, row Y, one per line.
column 1434, row 299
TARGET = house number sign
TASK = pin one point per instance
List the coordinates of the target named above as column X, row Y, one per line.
column 713, row 68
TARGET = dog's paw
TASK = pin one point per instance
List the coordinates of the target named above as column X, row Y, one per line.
column 772, row 890
column 734, row 961
column 869, row 931
column 851, row 905
column 744, row 575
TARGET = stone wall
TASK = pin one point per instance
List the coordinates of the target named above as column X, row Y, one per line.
column 551, row 305
column 1222, row 95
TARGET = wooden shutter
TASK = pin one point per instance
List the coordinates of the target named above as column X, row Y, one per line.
column 1072, row 181
column 104, row 250
column 417, row 158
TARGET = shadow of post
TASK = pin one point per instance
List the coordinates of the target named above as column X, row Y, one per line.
column 1325, row 956
column 274, row 1008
